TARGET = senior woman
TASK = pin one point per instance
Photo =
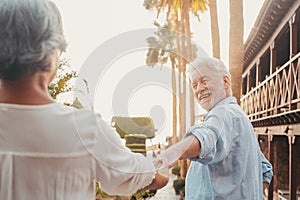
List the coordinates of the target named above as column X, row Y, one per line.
column 48, row 150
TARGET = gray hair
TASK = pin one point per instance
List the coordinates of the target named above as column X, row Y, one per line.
column 30, row 33
column 212, row 63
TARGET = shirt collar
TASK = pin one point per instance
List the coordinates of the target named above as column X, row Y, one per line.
column 227, row 100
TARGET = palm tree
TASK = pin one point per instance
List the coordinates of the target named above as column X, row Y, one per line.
column 178, row 12
column 236, row 48
column 214, row 28
column 161, row 49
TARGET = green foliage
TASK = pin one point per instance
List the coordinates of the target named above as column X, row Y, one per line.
column 194, row 6
column 139, row 195
column 135, row 130
column 61, row 84
column 161, row 46
column 101, row 195
column 176, row 170
column 179, row 186
column 136, row 143
column 179, row 183
column 143, row 194
column 150, row 4
column 134, row 126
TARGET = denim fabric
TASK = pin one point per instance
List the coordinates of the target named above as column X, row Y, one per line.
column 230, row 164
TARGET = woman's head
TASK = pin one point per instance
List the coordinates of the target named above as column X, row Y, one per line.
column 31, row 36
column 210, row 81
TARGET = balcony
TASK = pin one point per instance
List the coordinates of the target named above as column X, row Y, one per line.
column 276, row 100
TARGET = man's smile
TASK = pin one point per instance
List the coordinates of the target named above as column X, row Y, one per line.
column 204, row 95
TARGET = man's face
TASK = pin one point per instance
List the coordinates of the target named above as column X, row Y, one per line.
column 208, row 87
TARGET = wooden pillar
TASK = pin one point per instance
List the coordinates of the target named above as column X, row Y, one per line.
column 258, row 73
column 242, row 88
column 272, row 70
column 272, row 58
column 293, row 36
column 293, row 52
column 292, row 168
column 271, row 159
column 258, row 81
column 248, row 82
column 192, row 105
column 277, row 94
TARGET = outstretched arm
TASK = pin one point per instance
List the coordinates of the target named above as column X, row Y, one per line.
column 189, row 147
column 120, row 171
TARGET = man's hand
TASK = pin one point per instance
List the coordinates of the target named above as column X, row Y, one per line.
column 265, row 188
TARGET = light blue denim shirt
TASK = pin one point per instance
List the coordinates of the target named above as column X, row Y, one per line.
column 230, row 164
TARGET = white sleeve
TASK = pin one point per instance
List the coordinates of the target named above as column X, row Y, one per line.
column 119, row 171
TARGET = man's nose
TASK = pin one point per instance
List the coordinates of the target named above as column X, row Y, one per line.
column 200, row 88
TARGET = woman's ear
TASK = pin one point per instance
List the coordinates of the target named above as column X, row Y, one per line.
column 53, row 67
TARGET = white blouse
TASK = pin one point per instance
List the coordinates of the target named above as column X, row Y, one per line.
column 57, row 152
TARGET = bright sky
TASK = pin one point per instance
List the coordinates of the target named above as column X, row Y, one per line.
column 89, row 24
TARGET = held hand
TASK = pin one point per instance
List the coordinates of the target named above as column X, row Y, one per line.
column 161, row 165
column 161, row 177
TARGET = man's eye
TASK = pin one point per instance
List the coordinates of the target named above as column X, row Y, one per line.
column 194, row 86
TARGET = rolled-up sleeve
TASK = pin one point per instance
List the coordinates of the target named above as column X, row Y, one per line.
column 215, row 137
column 267, row 169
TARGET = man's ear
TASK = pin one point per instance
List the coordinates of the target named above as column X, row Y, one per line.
column 226, row 82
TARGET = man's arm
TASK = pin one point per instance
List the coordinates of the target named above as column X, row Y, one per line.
column 267, row 169
column 189, row 147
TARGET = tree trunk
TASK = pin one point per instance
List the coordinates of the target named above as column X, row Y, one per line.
column 215, row 33
column 172, row 18
column 236, row 48
column 190, row 56
column 192, row 107
column 174, row 96
column 186, row 45
column 181, row 69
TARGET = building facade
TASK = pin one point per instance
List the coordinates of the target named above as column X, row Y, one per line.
column 271, row 91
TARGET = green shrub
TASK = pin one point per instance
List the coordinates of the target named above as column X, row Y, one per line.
column 179, row 185
column 143, row 194
column 176, row 170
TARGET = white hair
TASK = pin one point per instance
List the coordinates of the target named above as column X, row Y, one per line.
column 214, row 64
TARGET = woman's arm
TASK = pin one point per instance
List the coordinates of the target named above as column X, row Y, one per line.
column 158, row 182
column 120, row 171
